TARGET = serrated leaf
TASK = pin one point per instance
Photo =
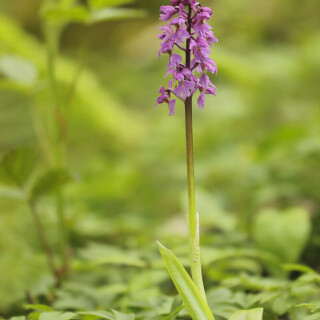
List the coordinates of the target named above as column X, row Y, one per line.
column 253, row 314
column 113, row 14
column 189, row 293
column 98, row 4
column 50, row 182
column 16, row 166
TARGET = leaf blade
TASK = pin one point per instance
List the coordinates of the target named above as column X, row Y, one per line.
column 194, row 302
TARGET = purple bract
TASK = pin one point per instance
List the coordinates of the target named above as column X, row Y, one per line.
column 188, row 32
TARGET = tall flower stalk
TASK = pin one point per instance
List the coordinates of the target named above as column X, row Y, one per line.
column 189, row 33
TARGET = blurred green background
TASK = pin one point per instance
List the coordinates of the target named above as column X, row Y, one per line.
column 257, row 144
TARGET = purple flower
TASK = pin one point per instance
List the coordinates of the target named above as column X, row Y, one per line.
column 167, row 12
column 201, row 100
column 165, row 95
column 187, row 31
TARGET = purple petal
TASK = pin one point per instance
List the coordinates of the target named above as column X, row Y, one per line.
column 201, row 100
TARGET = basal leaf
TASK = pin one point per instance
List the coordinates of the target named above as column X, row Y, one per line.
column 190, row 295
column 254, row 314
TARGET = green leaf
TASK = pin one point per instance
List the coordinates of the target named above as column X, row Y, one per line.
column 59, row 14
column 254, row 314
column 98, row 254
column 190, row 295
column 298, row 267
column 17, row 165
column 50, row 182
column 38, row 307
column 98, row 4
column 277, row 232
column 57, row 315
column 123, row 316
column 113, row 14
column 174, row 313
column 18, row 70
column 98, row 314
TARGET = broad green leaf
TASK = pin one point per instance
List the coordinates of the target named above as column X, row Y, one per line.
column 18, row 318
column 57, row 315
column 50, row 182
column 97, row 254
column 16, row 166
column 315, row 316
column 98, row 4
column 254, row 314
column 113, row 14
column 18, row 70
column 277, row 232
column 123, row 316
column 190, row 295
column 99, row 314
column 38, row 307
column 59, row 14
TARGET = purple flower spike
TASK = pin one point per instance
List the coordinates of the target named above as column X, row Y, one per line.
column 189, row 32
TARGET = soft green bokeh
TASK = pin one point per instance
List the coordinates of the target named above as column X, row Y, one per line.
column 257, row 150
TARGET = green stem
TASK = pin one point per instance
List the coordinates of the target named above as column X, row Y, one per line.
column 193, row 217
column 59, row 141
column 44, row 242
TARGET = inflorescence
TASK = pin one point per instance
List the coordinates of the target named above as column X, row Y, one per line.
column 188, row 27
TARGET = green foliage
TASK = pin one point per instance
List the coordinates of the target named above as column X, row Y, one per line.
column 277, row 232
column 257, row 147
column 254, row 314
column 49, row 182
column 188, row 291
column 17, row 165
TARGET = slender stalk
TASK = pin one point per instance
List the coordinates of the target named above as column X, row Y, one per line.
column 52, row 38
column 44, row 242
column 193, row 217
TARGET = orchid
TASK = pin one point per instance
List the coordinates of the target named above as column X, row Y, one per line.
column 189, row 32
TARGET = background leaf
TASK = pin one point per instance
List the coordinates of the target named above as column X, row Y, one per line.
column 254, row 314
column 283, row 233
column 50, row 182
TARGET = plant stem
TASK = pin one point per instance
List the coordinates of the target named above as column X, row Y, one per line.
column 52, row 33
column 44, row 242
column 193, row 217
